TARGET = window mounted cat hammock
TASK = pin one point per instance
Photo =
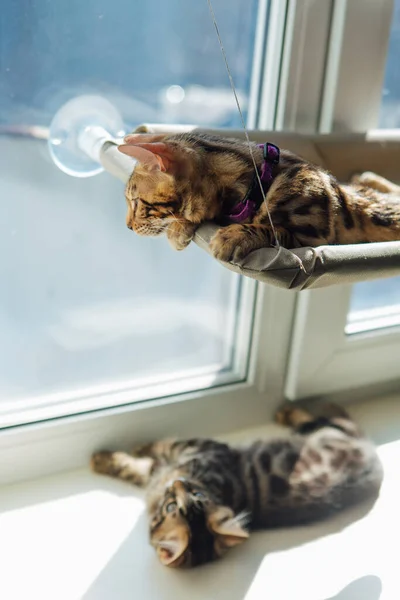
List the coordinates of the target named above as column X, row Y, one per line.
column 83, row 141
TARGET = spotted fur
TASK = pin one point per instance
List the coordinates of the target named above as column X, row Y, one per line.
column 186, row 179
column 204, row 496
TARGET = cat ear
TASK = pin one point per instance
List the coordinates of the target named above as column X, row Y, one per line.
column 230, row 531
column 171, row 551
column 140, row 138
column 165, row 154
column 151, row 160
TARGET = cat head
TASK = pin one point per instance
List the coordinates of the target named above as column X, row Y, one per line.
column 188, row 528
column 160, row 189
column 187, row 177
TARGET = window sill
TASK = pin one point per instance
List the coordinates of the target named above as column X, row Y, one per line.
column 38, row 450
column 98, row 528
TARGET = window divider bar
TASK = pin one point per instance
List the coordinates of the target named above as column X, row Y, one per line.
column 271, row 72
column 333, row 59
column 258, row 63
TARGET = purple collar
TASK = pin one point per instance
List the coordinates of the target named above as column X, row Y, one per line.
column 247, row 207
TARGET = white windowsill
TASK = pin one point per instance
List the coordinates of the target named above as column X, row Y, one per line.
column 80, row 536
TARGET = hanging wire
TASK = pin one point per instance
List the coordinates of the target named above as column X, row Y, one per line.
column 214, row 20
column 277, row 245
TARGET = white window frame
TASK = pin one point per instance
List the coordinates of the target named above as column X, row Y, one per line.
column 333, row 65
column 248, row 396
column 283, row 96
column 323, row 359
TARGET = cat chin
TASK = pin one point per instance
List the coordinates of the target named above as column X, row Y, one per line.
column 151, row 232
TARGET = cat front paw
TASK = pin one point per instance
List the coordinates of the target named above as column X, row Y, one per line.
column 180, row 234
column 366, row 179
column 376, row 182
column 230, row 243
column 103, row 462
column 123, row 466
column 355, row 179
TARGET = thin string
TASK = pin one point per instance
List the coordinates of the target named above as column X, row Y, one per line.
column 214, row 20
column 277, row 244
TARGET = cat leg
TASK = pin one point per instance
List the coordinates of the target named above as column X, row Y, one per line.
column 309, row 418
column 180, row 233
column 376, row 182
column 162, row 452
column 123, row 466
column 235, row 242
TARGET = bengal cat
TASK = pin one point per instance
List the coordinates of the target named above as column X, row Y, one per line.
column 184, row 180
column 204, row 496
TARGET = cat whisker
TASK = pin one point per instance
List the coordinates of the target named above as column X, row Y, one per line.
column 243, row 519
column 173, row 218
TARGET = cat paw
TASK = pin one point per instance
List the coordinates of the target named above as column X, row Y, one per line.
column 294, row 415
column 122, row 465
column 180, row 235
column 110, row 463
column 366, row 179
column 355, row 179
column 142, row 451
column 291, row 415
column 102, row 462
column 366, row 176
column 179, row 243
column 230, row 244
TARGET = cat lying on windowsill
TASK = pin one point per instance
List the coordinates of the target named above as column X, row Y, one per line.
column 184, row 180
column 204, row 496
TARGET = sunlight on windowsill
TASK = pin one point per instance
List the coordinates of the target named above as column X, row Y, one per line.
column 82, row 536
column 63, row 543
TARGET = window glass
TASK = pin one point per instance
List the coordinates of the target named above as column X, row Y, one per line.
column 84, row 302
column 390, row 107
column 376, row 304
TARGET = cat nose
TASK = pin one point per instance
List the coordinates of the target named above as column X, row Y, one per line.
column 129, row 227
column 180, row 494
column 178, row 486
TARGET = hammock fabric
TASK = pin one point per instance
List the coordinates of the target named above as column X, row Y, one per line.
column 343, row 155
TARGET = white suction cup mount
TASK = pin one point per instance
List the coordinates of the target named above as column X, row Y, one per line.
column 79, row 131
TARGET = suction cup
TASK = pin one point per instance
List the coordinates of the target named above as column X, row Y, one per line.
column 77, row 132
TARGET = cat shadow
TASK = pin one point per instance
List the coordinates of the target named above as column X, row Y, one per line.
column 297, row 536
column 368, row 587
column 136, row 572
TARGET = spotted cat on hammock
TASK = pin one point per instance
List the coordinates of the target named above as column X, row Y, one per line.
column 183, row 180
column 204, row 496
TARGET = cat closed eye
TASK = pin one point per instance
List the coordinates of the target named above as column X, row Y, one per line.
column 171, row 507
